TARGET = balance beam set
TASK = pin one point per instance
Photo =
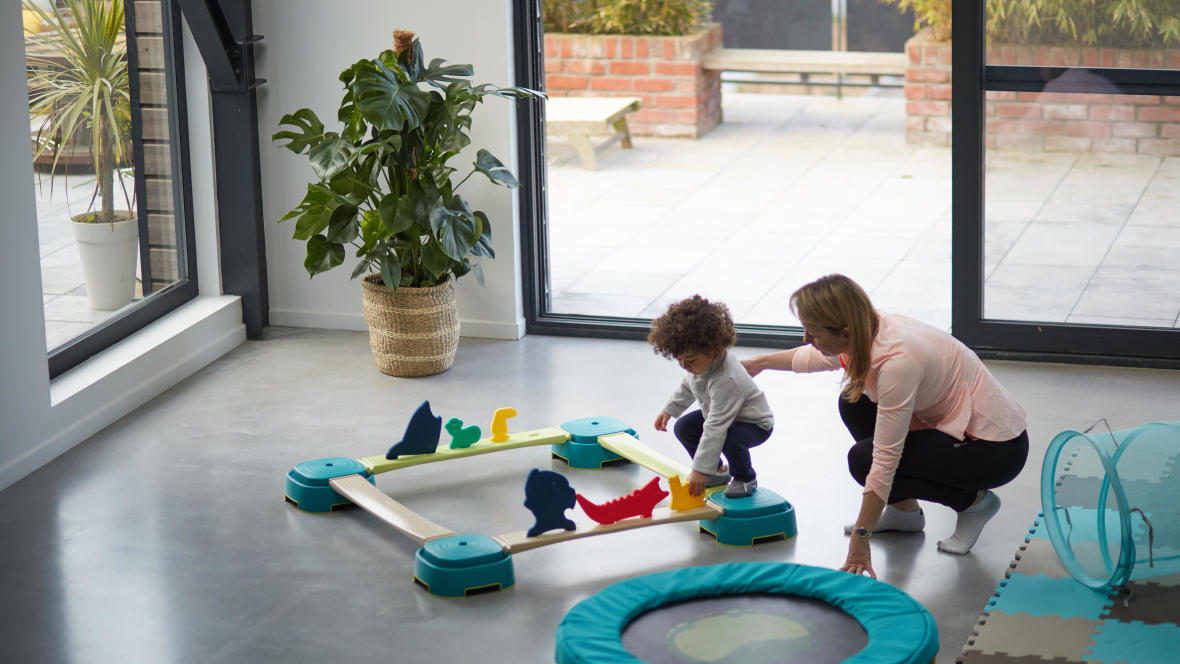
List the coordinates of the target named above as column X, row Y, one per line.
column 454, row 565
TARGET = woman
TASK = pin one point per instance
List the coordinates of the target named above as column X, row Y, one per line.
column 930, row 422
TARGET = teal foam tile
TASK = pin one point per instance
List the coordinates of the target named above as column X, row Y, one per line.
column 1133, row 643
column 1048, row 596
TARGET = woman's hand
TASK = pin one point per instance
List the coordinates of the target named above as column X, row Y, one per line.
column 753, row 365
column 696, row 483
column 662, row 421
column 860, row 560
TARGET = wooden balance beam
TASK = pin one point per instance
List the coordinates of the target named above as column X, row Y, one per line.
column 360, row 491
column 520, row 541
column 629, row 447
column 546, row 436
column 374, row 501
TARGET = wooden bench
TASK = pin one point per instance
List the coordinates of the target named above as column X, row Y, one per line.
column 779, row 61
column 579, row 118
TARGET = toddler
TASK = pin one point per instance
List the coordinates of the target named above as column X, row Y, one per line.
column 733, row 415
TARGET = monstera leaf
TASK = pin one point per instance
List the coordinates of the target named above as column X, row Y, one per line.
column 455, row 227
column 387, row 104
column 306, row 130
column 330, row 156
column 496, row 171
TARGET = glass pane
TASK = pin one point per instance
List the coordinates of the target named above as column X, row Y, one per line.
column 105, row 199
column 1081, row 220
column 786, row 177
column 1101, row 33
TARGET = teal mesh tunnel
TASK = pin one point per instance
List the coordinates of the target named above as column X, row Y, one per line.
column 1111, row 503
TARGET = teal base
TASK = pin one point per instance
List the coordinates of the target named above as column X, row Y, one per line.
column 582, row 450
column 462, row 565
column 308, row 488
column 761, row 517
column 584, row 455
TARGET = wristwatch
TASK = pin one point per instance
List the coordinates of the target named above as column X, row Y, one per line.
column 863, row 533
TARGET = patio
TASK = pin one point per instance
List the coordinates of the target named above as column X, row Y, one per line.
column 792, row 187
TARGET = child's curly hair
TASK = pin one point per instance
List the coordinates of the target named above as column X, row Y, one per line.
column 694, row 325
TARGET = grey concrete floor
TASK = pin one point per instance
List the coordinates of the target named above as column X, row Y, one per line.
column 165, row 538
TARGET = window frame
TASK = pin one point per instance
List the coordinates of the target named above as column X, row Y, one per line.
column 971, row 79
column 154, row 306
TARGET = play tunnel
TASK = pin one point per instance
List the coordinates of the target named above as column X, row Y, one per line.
column 1111, row 502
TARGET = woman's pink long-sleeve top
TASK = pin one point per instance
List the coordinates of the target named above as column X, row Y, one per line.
column 923, row 378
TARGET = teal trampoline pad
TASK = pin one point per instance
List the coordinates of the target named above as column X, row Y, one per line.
column 899, row 630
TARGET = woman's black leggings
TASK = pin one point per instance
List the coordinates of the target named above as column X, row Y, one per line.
column 934, row 466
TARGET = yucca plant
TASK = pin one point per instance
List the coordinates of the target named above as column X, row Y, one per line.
column 79, row 83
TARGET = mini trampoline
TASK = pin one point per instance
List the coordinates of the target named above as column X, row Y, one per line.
column 752, row 613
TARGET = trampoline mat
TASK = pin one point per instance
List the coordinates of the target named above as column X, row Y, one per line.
column 745, row 629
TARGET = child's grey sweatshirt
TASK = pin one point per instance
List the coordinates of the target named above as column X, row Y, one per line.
column 726, row 394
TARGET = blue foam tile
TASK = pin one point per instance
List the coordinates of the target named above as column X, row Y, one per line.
column 1048, row 596
column 1133, row 643
column 1037, row 530
column 1082, row 525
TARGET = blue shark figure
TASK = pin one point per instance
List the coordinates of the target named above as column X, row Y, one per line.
column 421, row 436
column 548, row 495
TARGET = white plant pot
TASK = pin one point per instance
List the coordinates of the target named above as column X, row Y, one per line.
column 108, row 253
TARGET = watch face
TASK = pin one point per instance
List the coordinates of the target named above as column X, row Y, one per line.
column 862, row 532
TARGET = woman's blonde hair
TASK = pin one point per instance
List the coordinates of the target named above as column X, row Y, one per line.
column 837, row 303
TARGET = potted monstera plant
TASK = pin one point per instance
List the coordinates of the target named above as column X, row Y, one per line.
column 80, row 90
column 385, row 192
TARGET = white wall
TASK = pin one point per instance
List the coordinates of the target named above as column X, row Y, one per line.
column 307, row 44
column 39, row 418
column 24, row 381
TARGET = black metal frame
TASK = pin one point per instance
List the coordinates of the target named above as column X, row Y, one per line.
column 122, row 325
column 223, row 32
column 145, row 262
column 531, row 154
column 1058, row 342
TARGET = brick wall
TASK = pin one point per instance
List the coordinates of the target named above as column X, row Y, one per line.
column 1049, row 122
column 679, row 97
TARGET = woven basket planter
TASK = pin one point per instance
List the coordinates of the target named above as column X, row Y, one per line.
column 413, row 331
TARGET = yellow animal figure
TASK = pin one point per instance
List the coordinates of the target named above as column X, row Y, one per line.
column 500, row 424
column 680, row 499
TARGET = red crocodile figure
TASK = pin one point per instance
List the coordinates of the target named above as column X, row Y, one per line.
column 637, row 503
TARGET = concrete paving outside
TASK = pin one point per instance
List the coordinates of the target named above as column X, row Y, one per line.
column 789, row 188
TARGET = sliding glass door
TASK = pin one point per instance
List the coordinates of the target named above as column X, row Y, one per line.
column 1055, row 235
column 1066, row 172
column 739, row 186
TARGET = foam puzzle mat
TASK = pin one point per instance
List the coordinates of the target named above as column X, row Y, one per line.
column 1039, row 613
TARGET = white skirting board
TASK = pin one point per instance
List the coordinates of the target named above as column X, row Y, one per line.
column 472, row 329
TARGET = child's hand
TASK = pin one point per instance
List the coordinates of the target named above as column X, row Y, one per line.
column 696, row 483
column 662, row 421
